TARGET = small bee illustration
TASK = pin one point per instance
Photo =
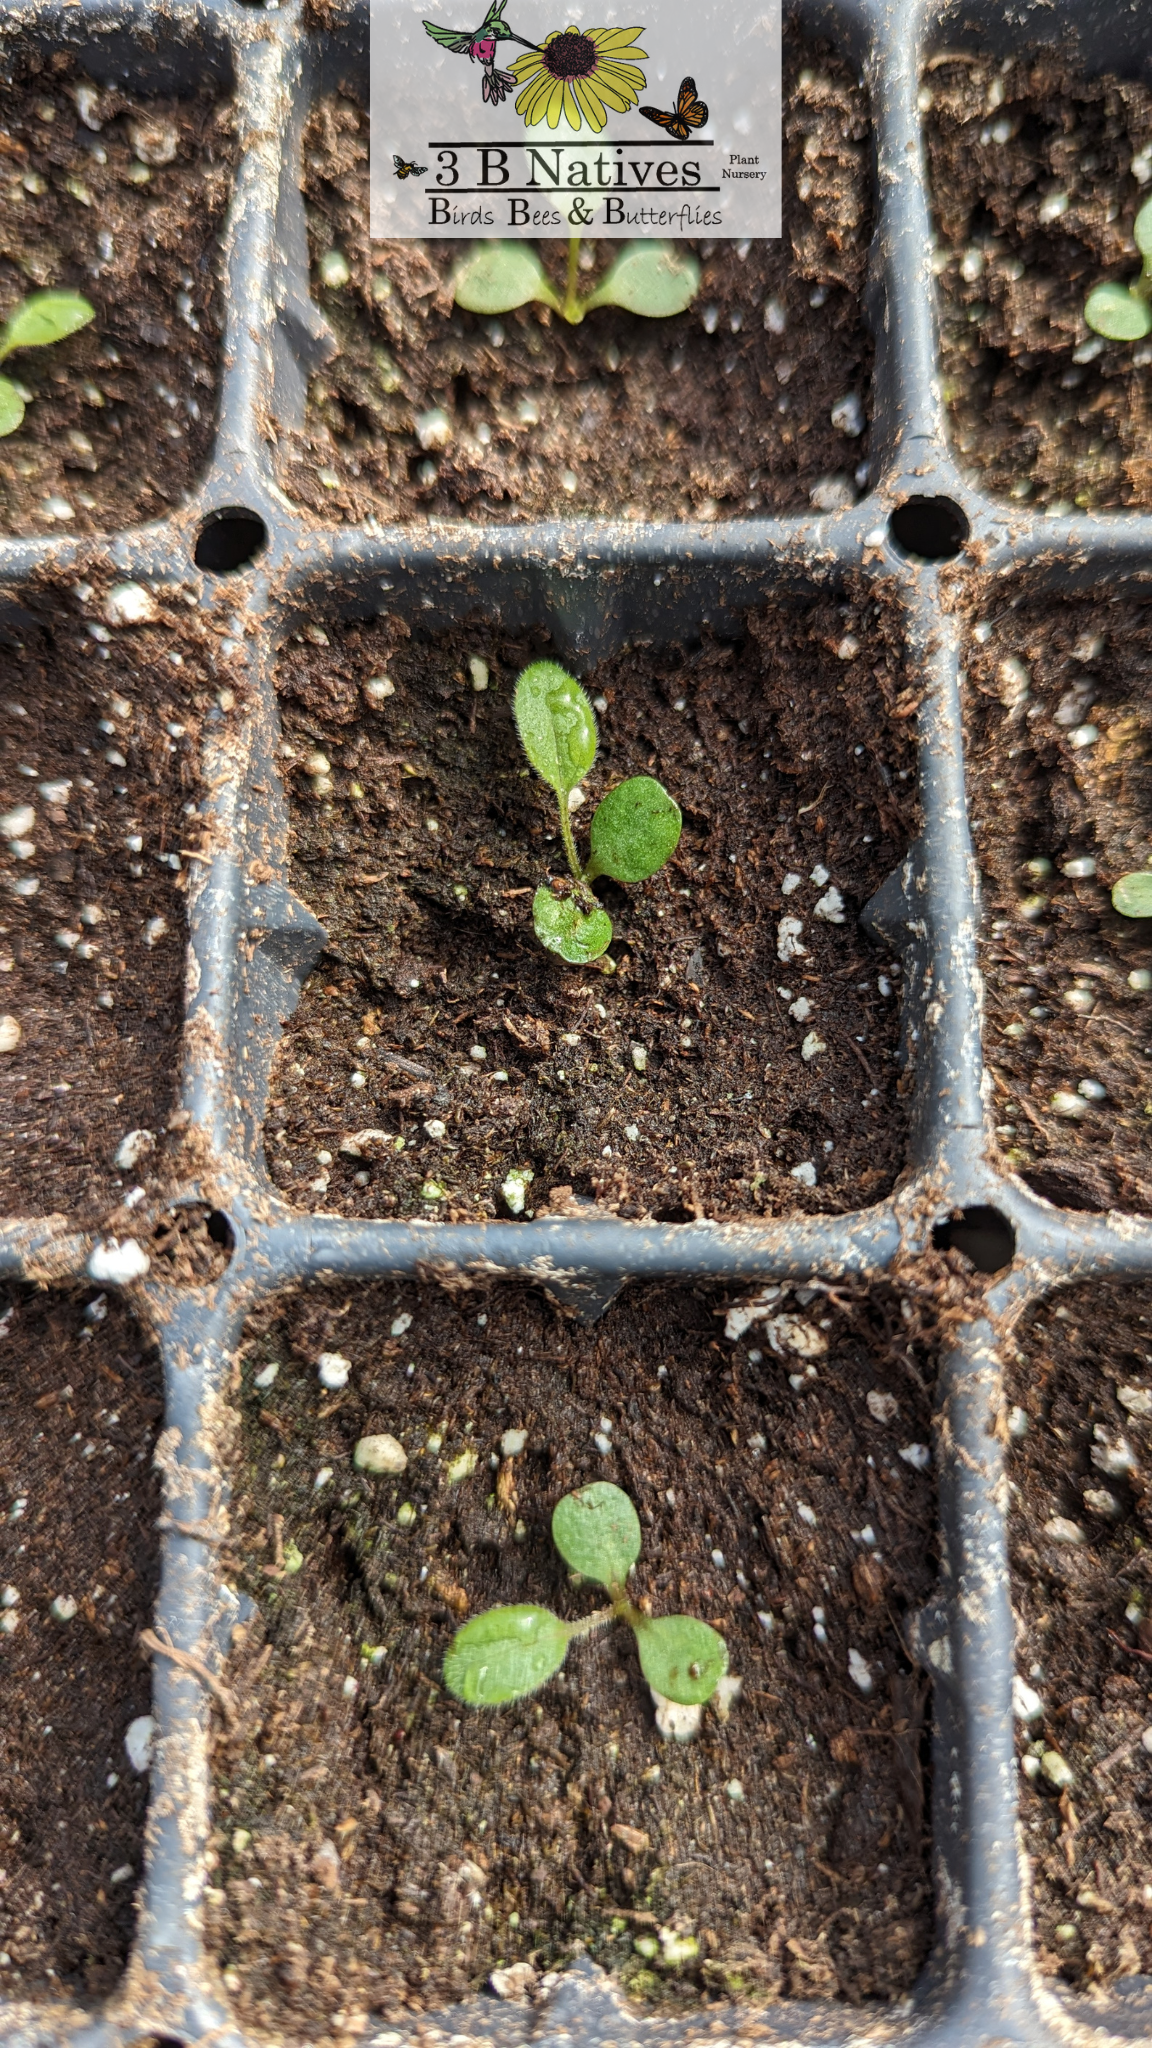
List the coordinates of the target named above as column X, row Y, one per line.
column 404, row 170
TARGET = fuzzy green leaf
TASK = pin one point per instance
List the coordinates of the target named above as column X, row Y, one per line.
column 1114, row 311
column 504, row 1654
column 653, row 278
column 495, row 277
column 634, row 830
column 682, row 1658
column 556, row 724
column 578, row 936
column 597, row 1532
column 11, row 407
column 1142, row 230
column 1132, row 895
column 43, row 318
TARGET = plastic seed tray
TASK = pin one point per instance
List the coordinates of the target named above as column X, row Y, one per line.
column 251, row 943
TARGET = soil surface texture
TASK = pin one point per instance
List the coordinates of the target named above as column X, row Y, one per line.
column 121, row 199
column 405, row 1846
column 1081, row 1534
column 1037, row 175
column 102, row 754
column 80, row 1405
column 438, row 1046
column 1067, row 1036
column 722, row 412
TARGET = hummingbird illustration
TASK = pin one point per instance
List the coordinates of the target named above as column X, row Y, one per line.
column 479, row 45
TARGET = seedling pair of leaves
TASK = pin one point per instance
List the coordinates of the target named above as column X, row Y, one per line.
column 37, row 321
column 655, row 279
column 510, row 1652
column 1123, row 312
column 634, row 830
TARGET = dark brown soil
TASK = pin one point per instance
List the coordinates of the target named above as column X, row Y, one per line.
column 381, row 1847
column 1035, row 795
column 99, row 1049
column 1085, row 1642
column 80, row 1404
column 1042, row 410
column 785, row 759
column 707, row 415
column 122, row 415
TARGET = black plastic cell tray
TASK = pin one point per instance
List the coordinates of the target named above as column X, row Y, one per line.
column 595, row 584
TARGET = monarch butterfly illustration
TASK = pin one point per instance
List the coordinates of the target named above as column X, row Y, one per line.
column 690, row 112
column 404, row 170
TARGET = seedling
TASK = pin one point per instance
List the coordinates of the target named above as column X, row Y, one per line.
column 1122, row 312
column 656, row 279
column 509, row 1652
column 34, row 323
column 633, row 832
column 1132, row 894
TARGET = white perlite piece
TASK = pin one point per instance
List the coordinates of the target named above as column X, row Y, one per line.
column 478, row 670
column 1026, row 1704
column 132, row 1149
column 378, row 688
column 916, row 1455
column 401, row 1324
column 792, row 1333
column 813, row 1044
column 788, row 933
column 11, row 1033
column 129, row 604
column 333, row 1370
column 830, row 907
column 790, row 882
column 516, row 1981
column 728, row 1691
column 63, row 1607
column 1060, row 1530
column 18, row 824
column 801, row 1009
column 674, row 1722
column 380, row 1454
column 882, row 1407
column 1137, row 1400
column 805, row 1173
column 515, row 1188
column 139, row 1737
column 743, row 1314
column 848, row 415
column 512, row 1443
column 118, row 1262
column 433, row 429
column 858, row 1671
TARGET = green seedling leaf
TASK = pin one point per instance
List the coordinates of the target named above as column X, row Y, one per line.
column 556, row 723
column 653, row 278
column 682, row 1658
column 597, row 1532
column 1114, row 311
column 43, row 318
column 495, row 277
column 577, row 935
column 504, row 1654
column 11, row 407
column 1142, row 230
column 1132, row 895
column 634, row 830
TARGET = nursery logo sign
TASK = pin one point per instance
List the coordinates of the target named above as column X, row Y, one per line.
column 659, row 120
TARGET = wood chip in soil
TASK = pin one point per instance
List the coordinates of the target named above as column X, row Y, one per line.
column 103, row 753
column 1081, row 1424
column 438, row 1046
column 80, row 1406
column 121, row 198
column 722, row 412
column 405, row 1845
column 1035, row 187
column 1061, row 1010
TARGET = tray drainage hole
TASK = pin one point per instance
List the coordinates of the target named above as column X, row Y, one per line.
column 934, row 529
column 982, row 1234
column 229, row 541
column 221, row 1232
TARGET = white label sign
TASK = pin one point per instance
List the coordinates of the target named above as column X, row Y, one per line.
column 659, row 119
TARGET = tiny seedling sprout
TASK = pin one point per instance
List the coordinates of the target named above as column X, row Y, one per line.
column 509, row 1652
column 43, row 318
column 655, row 279
column 634, row 830
column 1123, row 312
column 1132, row 894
